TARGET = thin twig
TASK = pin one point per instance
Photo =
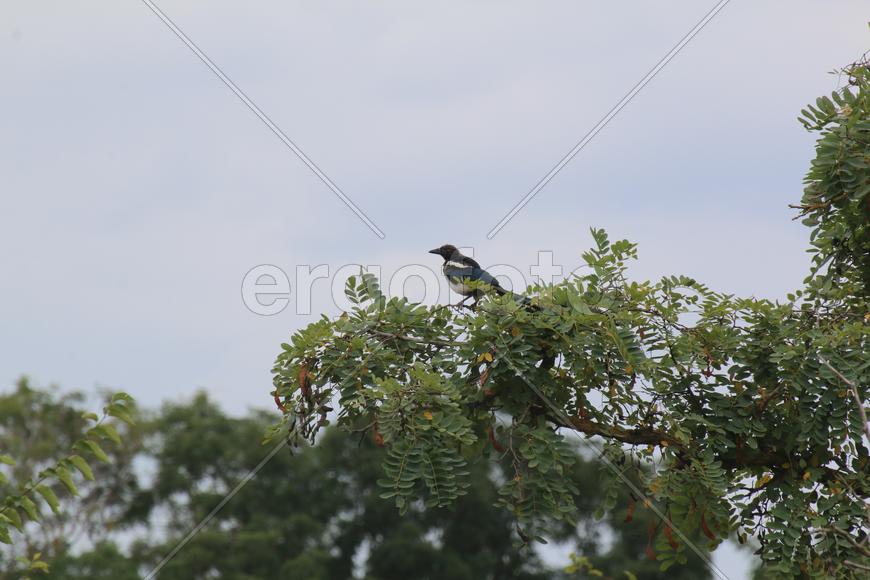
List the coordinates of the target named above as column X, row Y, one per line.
column 407, row 338
column 863, row 549
column 854, row 389
column 856, row 565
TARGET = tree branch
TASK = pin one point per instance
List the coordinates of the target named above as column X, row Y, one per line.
column 862, row 549
column 638, row 436
column 854, row 390
column 856, row 565
column 432, row 341
column 651, row 436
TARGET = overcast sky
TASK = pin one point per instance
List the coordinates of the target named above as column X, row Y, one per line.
column 137, row 190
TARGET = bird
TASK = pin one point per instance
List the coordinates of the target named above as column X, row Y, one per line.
column 460, row 270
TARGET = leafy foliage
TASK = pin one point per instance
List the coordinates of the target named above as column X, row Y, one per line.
column 34, row 476
column 743, row 404
column 314, row 514
column 835, row 202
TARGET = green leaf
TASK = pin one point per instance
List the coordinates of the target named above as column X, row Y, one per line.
column 578, row 304
column 107, row 431
column 28, row 506
column 14, row 517
column 7, row 460
column 120, row 412
column 63, row 475
column 121, row 396
column 49, row 497
column 79, row 462
column 94, row 448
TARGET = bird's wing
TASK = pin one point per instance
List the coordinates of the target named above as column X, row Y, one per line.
column 484, row 276
column 467, row 272
column 469, row 262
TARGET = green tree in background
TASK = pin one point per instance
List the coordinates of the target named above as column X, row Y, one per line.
column 752, row 410
column 61, row 454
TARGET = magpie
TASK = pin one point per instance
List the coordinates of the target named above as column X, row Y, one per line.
column 460, row 270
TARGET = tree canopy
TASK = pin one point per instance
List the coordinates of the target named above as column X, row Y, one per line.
column 751, row 411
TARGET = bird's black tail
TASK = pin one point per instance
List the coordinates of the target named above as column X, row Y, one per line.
column 524, row 300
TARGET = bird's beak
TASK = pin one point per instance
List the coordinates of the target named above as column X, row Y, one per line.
column 435, row 251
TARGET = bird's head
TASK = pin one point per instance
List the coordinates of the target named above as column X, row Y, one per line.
column 446, row 251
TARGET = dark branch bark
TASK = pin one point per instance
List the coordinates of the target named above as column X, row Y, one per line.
column 637, row 436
